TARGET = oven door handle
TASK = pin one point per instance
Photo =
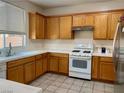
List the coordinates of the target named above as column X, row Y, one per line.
column 79, row 58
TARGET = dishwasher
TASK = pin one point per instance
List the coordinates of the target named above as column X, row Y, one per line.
column 3, row 70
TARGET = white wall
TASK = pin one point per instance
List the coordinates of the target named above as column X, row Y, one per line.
column 116, row 4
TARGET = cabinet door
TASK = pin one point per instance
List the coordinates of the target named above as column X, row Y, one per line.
column 89, row 20
column 66, row 27
column 113, row 20
column 78, row 20
column 53, row 63
column 45, row 63
column 52, row 27
column 16, row 74
column 63, row 65
column 39, row 67
column 100, row 31
column 107, row 71
column 29, row 69
column 95, row 67
column 40, row 24
column 36, row 26
column 32, row 26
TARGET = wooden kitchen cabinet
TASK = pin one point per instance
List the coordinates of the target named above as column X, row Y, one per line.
column 45, row 62
column 83, row 20
column 59, row 63
column 113, row 21
column 103, row 68
column 66, row 27
column 39, row 65
column 89, row 20
column 95, row 67
column 29, row 73
column 36, row 26
column 52, row 27
column 101, row 24
column 53, row 64
column 21, row 70
column 64, row 65
column 78, row 20
column 107, row 71
column 16, row 74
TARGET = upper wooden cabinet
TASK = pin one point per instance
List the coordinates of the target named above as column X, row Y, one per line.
column 52, row 27
column 36, row 26
column 78, row 20
column 83, row 20
column 101, row 24
column 66, row 27
column 113, row 20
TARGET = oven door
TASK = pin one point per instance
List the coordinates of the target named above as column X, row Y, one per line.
column 80, row 64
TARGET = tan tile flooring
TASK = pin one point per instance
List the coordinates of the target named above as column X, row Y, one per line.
column 54, row 83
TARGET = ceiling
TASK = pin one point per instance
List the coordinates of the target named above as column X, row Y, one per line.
column 61, row 3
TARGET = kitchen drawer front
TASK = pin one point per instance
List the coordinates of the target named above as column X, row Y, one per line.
column 20, row 62
column 38, row 57
column 59, row 54
column 106, row 59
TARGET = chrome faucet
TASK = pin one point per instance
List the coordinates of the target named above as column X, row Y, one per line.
column 9, row 53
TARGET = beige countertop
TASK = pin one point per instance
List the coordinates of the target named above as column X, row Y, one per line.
column 102, row 54
column 37, row 52
column 28, row 54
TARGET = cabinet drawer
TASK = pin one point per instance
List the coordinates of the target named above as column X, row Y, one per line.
column 106, row 59
column 38, row 57
column 20, row 62
column 58, row 54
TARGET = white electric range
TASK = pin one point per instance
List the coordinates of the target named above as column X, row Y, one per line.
column 80, row 61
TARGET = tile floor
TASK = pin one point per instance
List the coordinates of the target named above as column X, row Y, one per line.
column 53, row 83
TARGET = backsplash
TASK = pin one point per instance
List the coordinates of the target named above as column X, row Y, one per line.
column 81, row 37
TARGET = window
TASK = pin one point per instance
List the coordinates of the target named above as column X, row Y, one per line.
column 14, row 39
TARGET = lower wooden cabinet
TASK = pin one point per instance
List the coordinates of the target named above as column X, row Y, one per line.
column 95, row 67
column 58, row 63
column 103, row 68
column 53, row 64
column 45, row 63
column 107, row 71
column 39, row 65
column 16, row 74
column 29, row 70
column 64, row 65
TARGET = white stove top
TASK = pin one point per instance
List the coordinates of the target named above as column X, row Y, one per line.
column 82, row 51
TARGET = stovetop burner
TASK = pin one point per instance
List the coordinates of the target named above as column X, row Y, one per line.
column 86, row 51
column 76, row 51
